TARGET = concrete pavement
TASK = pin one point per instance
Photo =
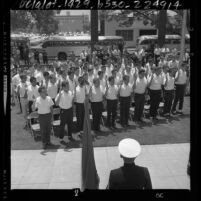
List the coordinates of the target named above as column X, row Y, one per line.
column 61, row 169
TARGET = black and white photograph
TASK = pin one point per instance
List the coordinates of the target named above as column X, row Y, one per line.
column 100, row 99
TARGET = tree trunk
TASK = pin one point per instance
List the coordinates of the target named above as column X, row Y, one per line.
column 94, row 28
column 102, row 27
column 162, row 27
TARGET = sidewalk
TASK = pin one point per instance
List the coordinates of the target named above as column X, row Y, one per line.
column 61, row 169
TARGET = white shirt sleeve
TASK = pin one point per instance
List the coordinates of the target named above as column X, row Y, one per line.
column 50, row 101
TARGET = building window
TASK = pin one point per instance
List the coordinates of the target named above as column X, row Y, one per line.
column 126, row 34
column 148, row 32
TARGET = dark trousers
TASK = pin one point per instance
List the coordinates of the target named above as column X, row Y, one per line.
column 124, row 109
column 54, row 106
column 97, row 108
column 179, row 96
column 139, row 106
column 156, row 59
column 29, row 106
column 111, row 112
column 168, row 98
column 155, row 97
column 162, row 93
column 18, row 96
column 80, row 116
column 45, row 127
column 66, row 117
column 45, row 61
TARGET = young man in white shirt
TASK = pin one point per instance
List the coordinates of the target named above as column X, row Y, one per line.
column 90, row 75
column 140, row 88
column 32, row 92
column 155, row 82
column 16, row 81
column 22, row 93
column 112, row 99
column 169, row 84
column 44, row 104
column 125, row 91
column 96, row 97
column 52, row 88
column 80, row 94
column 180, row 83
column 65, row 100
column 71, row 80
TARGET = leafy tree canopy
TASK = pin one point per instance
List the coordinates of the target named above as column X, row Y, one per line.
column 25, row 20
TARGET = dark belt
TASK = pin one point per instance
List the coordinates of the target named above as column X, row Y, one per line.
column 66, row 109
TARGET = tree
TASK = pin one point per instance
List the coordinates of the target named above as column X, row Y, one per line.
column 20, row 20
column 25, row 20
column 163, row 22
column 45, row 21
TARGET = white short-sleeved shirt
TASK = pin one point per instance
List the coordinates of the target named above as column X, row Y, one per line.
column 52, row 90
column 22, row 89
column 112, row 92
column 182, row 78
column 43, row 105
column 16, row 80
column 148, row 68
column 66, row 99
column 103, row 83
column 96, row 72
column 170, row 82
column 90, row 79
column 32, row 91
column 96, row 94
column 80, row 94
column 71, row 84
column 156, row 82
column 141, row 85
column 125, row 90
column 39, row 76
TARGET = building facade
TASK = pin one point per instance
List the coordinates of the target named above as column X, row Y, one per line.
column 71, row 23
column 130, row 34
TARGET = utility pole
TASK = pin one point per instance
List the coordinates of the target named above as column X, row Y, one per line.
column 94, row 29
column 183, row 36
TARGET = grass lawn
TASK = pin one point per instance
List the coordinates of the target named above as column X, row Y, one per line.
column 165, row 131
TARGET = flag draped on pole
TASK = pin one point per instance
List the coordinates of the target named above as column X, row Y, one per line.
column 90, row 179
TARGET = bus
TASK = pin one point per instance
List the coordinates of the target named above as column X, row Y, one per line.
column 63, row 46
column 17, row 40
column 171, row 41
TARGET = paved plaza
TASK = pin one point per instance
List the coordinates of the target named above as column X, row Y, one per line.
column 61, row 168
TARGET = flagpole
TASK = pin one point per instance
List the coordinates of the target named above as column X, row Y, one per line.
column 183, row 36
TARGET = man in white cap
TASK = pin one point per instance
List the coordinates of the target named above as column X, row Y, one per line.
column 130, row 175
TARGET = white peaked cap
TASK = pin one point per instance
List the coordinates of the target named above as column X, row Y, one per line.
column 129, row 148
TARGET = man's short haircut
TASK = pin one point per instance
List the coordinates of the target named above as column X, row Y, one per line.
column 23, row 76
column 114, row 71
column 64, row 84
column 95, row 79
column 100, row 72
column 70, row 72
column 90, row 69
column 40, row 89
column 32, row 79
column 45, row 74
column 52, row 76
column 76, row 68
column 141, row 71
column 125, row 77
column 111, row 78
column 80, row 79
